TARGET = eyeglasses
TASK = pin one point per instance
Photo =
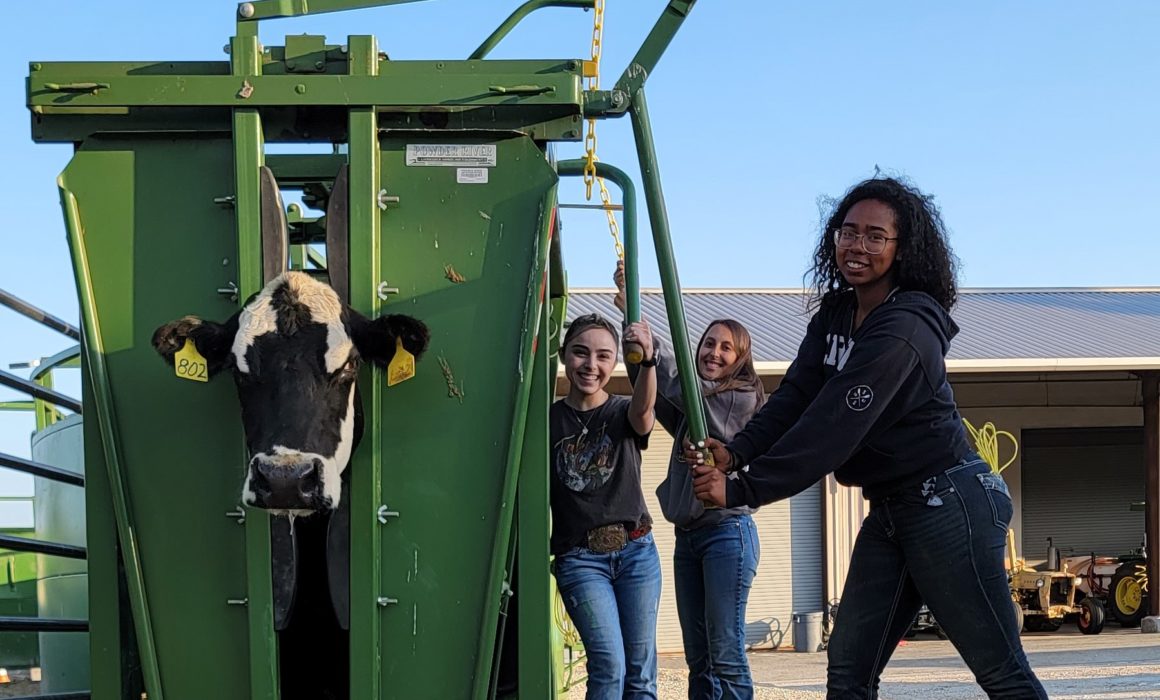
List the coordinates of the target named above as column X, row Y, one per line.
column 872, row 243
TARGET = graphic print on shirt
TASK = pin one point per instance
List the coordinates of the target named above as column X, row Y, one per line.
column 839, row 352
column 584, row 461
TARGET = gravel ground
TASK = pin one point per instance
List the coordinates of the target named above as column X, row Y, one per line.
column 1116, row 665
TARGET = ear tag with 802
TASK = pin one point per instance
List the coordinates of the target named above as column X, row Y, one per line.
column 402, row 366
column 189, row 364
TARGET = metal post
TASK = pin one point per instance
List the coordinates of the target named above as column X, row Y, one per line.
column 39, row 315
column 659, row 219
column 37, row 391
column 1151, row 392
column 366, row 490
column 249, row 150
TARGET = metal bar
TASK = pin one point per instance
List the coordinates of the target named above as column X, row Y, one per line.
column 56, row 549
column 249, row 149
column 666, row 261
column 645, row 60
column 42, row 624
column 37, row 391
column 318, row 259
column 534, row 602
column 106, row 417
column 39, row 315
column 64, row 358
column 1151, row 393
column 601, row 207
column 558, row 85
column 631, row 249
column 271, row 9
column 518, row 16
column 519, row 419
column 44, row 471
column 78, row 695
column 17, row 405
column 365, row 256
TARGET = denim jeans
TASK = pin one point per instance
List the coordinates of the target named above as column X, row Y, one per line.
column 713, row 570
column 613, row 599
column 940, row 543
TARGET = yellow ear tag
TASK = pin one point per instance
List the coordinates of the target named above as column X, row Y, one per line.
column 189, row 364
column 402, row 366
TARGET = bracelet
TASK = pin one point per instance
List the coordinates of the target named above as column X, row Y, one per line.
column 650, row 362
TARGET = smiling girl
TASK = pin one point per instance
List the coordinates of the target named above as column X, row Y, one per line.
column 717, row 549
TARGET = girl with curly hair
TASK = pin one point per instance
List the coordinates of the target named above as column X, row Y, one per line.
column 868, row 399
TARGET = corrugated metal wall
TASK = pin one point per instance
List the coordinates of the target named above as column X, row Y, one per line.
column 1077, row 486
column 789, row 576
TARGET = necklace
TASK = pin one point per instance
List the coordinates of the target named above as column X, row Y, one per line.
column 582, row 423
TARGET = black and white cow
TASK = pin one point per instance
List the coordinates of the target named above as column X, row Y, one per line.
column 295, row 351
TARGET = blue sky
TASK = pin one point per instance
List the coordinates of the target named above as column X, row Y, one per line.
column 1033, row 123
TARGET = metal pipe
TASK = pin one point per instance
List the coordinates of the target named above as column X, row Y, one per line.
column 1151, row 395
column 37, row 391
column 64, row 358
column 56, row 549
column 518, row 16
column 39, row 315
column 654, row 45
column 106, row 417
column 78, row 695
column 519, row 421
column 42, row 624
column 670, row 284
column 631, row 249
column 43, row 471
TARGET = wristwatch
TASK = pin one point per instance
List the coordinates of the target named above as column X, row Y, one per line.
column 651, row 362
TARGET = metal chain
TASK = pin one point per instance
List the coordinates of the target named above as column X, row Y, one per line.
column 593, row 83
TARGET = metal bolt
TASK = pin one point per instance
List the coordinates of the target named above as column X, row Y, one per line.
column 343, row 49
column 35, row 66
column 246, row 10
column 618, row 98
column 385, row 199
column 226, row 49
column 300, row 89
column 227, row 201
column 238, row 601
column 230, row 291
column 573, row 65
column 384, row 602
column 225, row 262
column 384, row 290
column 384, row 512
column 291, row 65
column 239, row 515
column 319, row 65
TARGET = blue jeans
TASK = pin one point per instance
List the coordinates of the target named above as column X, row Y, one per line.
column 941, row 542
column 713, row 570
column 613, row 599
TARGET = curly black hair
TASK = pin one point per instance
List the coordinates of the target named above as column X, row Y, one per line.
column 923, row 262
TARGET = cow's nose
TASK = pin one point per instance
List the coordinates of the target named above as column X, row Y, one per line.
column 287, row 486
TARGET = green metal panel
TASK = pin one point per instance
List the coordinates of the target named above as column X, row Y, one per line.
column 142, row 220
column 448, row 433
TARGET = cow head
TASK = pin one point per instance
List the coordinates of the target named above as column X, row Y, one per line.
column 295, row 351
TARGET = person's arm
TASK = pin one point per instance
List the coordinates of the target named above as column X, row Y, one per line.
column 828, row 433
column 644, row 389
column 801, row 384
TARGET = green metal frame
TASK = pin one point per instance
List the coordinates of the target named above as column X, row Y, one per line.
column 353, row 94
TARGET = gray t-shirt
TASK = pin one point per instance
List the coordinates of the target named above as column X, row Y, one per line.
column 595, row 471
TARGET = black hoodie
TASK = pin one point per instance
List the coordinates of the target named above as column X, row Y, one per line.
column 874, row 406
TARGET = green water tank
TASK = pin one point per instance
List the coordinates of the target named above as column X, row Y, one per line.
column 62, row 589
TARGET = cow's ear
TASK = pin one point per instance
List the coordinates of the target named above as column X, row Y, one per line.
column 376, row 339
column 213, row 340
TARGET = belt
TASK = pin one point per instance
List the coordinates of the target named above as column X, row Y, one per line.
column 614, row 537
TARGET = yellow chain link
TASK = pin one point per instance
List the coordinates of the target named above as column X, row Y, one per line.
column 590, row 136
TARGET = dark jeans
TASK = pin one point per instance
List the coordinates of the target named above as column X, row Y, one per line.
column 612, row 599
column 713, row 570
column 941, row 542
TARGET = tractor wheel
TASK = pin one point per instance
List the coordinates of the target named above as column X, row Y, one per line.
column 1041, row 623
column 1091, row 616
column 1126, row 596
column 1018, row 616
